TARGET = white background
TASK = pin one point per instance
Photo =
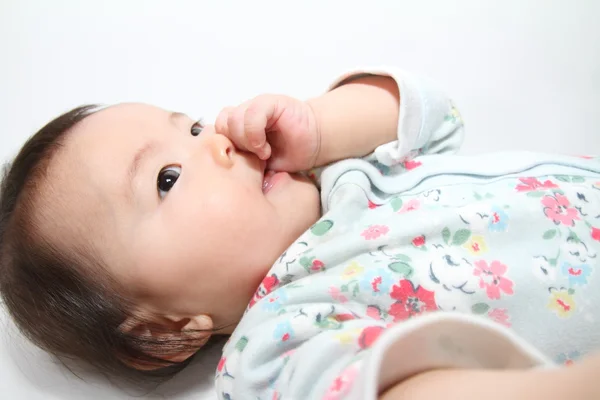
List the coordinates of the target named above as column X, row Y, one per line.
column 525, row 75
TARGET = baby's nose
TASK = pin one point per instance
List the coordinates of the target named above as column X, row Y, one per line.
column 221, row 149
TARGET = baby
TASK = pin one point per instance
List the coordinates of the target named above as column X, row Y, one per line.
column 338, row 241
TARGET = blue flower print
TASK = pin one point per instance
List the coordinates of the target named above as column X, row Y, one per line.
column 283, row 331
column 274, row 300
column 567, row 358
column 376, row 281
column 498, row 220
column 578, row 274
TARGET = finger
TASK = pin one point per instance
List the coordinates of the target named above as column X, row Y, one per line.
column 256, row 119
column 235, row 125
column 221, row 121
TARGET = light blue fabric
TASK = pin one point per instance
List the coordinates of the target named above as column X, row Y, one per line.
column 511, row 238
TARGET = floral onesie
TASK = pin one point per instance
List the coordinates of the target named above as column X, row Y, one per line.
column 425, row 259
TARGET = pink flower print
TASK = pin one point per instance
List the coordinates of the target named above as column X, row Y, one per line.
column 341, row 385
column 531, row 184
column 411, row 205
column 375, row 231
column 317, row 265
column 411, row 301
column 373, row 312
column 557, row 208
column 336, row 294
column 419, row 241
column 491, row 278
column 499, row 315
column 411, row 164
column 596, row 234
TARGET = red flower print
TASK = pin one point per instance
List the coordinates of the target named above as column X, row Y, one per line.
column 499, row 315
column 491, row 278
column 419, row 241
column 411, row 164
column 557, row 209
column 531, row 184
column 285, row 337
column 596, row 234
column 265, row 287
column 372, row 205
column 221, row 364
column 410, row 301
column 344, row 317
column 375, row 284
column 317, row 265
column 373, row 312
column 374, row 231
column 369, row 335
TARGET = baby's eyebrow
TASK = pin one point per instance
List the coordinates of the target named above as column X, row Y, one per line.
column 140, row 155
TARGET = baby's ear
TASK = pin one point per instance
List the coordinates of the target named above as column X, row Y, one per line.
column 170, row 338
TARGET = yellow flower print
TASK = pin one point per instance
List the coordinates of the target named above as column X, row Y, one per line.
column 349, row 336
column 476, row 245
column 352, row 270
column 453, row 115
column 562, row 302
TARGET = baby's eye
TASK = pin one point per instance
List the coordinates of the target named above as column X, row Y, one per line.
column 197, row 128
column 166, row 179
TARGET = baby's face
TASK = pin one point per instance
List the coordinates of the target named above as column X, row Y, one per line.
column 182, row 221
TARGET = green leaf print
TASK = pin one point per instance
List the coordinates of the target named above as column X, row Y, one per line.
column 577, row 179
column 355, row 291
column 344, row 288
column 460, row 237
column 480, row 308
column 563, row 178
column 396, row 203
column 401, row 268
column 489, row 196
column 571, row 291
column 573, row 237
column 241, row 344
column 402, row 257
column 321, row 227
column 535, row 194
column 553, row 261
column 306, row 262
column 549, row 234
column 477, row 196
column 446, row 235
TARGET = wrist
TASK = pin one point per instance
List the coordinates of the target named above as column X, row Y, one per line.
column 314, row 122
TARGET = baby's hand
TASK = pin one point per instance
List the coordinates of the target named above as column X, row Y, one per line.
column 277, row 128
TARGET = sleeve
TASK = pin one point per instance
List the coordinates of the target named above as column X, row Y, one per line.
column 338, row 356
column 428, row 122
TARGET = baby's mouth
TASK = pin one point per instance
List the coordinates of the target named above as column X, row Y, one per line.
column 267, row 181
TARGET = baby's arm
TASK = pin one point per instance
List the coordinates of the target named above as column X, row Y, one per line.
column 356, row 117
column 576, row 382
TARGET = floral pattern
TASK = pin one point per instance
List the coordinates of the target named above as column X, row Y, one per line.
column 492, row 279
column 410, row 301
column 558, row 208
column 458, row 261
column 577, row 274
column 375, row 231
column 562, row 302
column 476, row 245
